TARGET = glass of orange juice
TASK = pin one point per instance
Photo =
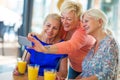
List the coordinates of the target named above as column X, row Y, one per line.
column 49, row 74
column 21, row 66
column 33, row 72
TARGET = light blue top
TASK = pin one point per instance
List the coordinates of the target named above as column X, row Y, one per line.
column 104, row 62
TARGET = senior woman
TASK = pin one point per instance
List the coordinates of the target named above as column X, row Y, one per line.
column 102, row 60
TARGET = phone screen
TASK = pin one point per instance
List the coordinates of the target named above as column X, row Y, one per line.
column 24, row 41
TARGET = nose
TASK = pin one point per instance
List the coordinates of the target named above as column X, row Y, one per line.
column 84, row 24
column 50, row 29
column 64, row 21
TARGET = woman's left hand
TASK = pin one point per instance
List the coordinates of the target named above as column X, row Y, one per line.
column 60, row 78
column 82, row 79
column 37, row 45
column 89, row 78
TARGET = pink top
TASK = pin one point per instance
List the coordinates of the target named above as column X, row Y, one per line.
column 76, row 48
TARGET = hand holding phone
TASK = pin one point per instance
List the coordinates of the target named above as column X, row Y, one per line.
column 24, row 41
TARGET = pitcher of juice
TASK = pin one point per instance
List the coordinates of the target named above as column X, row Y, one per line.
column 49, row 74
column 33, row 72
column 21, row 66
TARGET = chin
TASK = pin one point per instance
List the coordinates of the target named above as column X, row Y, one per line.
column 49, row 36
column 88, row 32
column 66, row 29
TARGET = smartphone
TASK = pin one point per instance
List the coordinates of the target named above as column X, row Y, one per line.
column 24, row 41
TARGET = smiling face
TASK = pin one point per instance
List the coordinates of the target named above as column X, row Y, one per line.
column 91, row 25
column 69, row 20
column 51, row 27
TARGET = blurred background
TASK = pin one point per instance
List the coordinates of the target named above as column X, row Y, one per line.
column 19, row 17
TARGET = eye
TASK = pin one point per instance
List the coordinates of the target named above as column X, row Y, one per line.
column 47, row 25
column 69, row 19
column 62, row 18
column 55, row 28
column 85, row 21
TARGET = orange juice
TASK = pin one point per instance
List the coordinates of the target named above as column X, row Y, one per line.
column 33, row 72
column 22, row 66
column 49, row 75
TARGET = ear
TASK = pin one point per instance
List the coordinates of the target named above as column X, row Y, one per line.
column 100, row 21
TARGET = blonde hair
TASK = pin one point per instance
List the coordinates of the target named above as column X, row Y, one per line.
column 68, row 6
column 53, row 16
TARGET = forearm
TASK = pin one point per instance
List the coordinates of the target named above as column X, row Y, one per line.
column 92, row 78
column 62, row 74
column 61, row 48
column 51, row 49
column 63, row 68
column 77, row 41
column 87, row 78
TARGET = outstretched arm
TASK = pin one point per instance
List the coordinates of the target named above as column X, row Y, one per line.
column 77, row 41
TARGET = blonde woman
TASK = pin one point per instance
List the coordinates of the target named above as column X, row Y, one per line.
column 102, row 60
column 49, row 36
column 77, row 43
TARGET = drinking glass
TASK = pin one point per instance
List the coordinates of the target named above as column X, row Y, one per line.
column 49, row 74
column 21, row 66
column 33, row 72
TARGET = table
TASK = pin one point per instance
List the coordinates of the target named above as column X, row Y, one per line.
column 10, row 76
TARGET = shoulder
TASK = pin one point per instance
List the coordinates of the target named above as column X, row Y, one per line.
column 91, row 39
column 110, row 45
column 80, row 32
column 39, row 36
column 111, row 51
column 112, row 42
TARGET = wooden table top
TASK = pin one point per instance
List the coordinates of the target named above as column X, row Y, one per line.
column 10, row 76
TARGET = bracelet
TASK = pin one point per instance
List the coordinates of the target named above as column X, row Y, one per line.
column 48, row 49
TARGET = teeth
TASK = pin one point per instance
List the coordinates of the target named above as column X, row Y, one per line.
column 49, row 34
column 66, row 26
column 86, row 28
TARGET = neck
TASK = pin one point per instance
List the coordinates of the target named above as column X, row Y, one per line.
column 69, row 34
column 48, row 40
column 99, row 35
